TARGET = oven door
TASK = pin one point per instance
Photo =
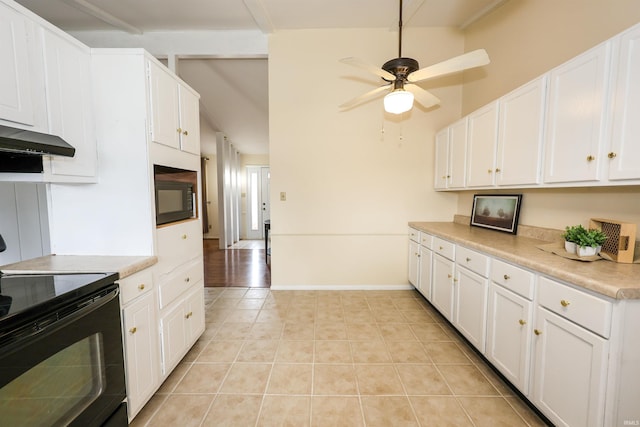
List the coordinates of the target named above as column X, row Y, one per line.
column 68, row 371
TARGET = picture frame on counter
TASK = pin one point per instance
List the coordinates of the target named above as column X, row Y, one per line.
column 498, row 212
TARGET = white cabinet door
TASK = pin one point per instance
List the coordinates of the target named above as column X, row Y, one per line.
column 481, row 146
column 189, row 121
column 509, row 322
column 426, row 257
column 414, row 263
column 174, row 339
column 442, row 290
column 442, row 177
column 165, row 126
column 457, row 154
column 141, row 351
column 569, row 375
column 471, row 306
column 194, row 314
column 577, row 108
column 70, row 107
column 521, row 134
column 15, row 73
column 624, row 153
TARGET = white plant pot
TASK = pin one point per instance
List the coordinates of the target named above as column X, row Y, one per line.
column 570, row 247
column 584, row 251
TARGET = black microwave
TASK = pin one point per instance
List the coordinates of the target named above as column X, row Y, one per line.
column 175, row 201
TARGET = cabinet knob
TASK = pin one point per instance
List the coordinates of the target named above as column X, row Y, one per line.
column 564, row 303
column 187, row 280
column 612, row 155
column 449, row 276
column 590, row 158
column 188, row 315
column 441, row 248
column 489, row 171
column 179, row 130
column 537, row 331
column 468, row 259
column 506, row 277
column 498, row 170
column 133, row 330
column 448, row 176
column 185, row 133
column 455, row 280
column 184, row 237
column 522, row 322
column 141, row 286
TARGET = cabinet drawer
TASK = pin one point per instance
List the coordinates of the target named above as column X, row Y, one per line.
column 580, row 307
column 178, row 244
column 426, row 240
column 179, row 282
column 414, row 234
column 444, row 248
column 474, row 261
column 513, row 278
column 135, row 285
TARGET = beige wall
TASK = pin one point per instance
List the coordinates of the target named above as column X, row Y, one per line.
column 526, row 38
column 351, row 188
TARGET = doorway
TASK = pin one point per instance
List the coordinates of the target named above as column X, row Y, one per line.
column 258, row 204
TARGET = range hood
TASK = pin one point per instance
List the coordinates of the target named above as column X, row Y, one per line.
column 21, row 150
column 22, row 141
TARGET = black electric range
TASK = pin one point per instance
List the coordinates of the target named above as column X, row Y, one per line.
column 27, row 296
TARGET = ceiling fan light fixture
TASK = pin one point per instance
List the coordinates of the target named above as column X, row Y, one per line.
column 398, row 101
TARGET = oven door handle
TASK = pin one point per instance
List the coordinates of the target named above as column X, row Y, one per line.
column 53, row 322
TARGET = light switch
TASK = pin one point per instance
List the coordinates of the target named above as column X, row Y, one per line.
column 283, row 196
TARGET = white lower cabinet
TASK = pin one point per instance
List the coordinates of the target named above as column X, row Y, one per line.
column 509, row 328
column 470, row 306
column 572, row 352
column 181, row 325
column 442, row 290
column 570, row 371
column 414, row 263
column 141, row 343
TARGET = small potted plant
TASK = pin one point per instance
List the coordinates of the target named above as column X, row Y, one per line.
column 570, row 237
column 589, row 242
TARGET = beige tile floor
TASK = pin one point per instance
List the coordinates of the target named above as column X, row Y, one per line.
column 323, row 358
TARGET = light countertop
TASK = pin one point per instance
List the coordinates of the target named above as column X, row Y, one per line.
column 51, row 264
column 612, row 279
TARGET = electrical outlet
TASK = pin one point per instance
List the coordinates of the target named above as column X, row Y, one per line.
column 283, row 196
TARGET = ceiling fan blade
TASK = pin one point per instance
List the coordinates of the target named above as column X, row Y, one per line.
column 364, row 97
column 476, row 58
column 357, row 62
column 425, row 98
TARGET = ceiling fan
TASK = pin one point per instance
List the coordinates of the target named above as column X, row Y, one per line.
column 400, row 71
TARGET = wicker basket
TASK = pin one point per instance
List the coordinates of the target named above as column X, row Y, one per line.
column 621, row 238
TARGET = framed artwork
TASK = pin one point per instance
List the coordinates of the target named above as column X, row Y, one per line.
column 496, row 211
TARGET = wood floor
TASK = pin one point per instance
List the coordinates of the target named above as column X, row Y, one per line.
column 246, row 268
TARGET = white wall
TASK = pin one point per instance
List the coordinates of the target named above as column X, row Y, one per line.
column 351, row 187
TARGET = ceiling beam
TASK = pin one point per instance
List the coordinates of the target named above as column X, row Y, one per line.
column 481, row 13
column 260, row 15
column 102, row 15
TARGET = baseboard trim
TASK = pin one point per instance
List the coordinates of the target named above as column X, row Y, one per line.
column 341, row 287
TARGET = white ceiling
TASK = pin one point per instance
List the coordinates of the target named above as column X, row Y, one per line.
column 234, row 89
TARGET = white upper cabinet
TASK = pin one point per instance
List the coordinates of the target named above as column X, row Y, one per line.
column 70, row 107
column 458, row 153
column 521, row 134
column 175, row 120
column 441, row 177
column 165, row 125
column 624, row 152
column 575, row 133
column 189, row 120
column 18, row 73
column 481, row 146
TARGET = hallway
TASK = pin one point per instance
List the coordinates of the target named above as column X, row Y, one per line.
column 243, row 265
